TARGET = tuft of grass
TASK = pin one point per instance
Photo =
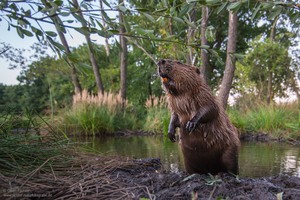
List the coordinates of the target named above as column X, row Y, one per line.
column 273, row 119
column 98, row 114
column 158, row 115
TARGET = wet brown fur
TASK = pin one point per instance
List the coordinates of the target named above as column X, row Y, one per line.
column 212, row 146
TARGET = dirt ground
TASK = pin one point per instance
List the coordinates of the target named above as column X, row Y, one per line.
column 94, row 177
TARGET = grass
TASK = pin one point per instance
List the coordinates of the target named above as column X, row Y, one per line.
column 158, row 116
column 27, row 148
column 277, row 120
column 104, row 114
column 98, row 115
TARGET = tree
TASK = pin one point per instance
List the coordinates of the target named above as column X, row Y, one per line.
column 270, row 69
column 91, row 51
column 123, row 55
column 61, row 30
column 204, row 42
column 230, row 60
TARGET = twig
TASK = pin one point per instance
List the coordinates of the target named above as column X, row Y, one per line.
column 36, row 170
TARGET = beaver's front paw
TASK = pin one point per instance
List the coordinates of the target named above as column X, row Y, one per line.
column 190, row 126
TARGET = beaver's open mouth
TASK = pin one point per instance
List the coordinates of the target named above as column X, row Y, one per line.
column 163, row 75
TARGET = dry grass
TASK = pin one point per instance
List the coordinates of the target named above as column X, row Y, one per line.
column 108, row 99
column 154, row 101
column 86, row 177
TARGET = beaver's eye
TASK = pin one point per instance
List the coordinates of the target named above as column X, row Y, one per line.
column 168, row 68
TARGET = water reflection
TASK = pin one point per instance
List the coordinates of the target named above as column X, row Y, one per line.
column 256, row 159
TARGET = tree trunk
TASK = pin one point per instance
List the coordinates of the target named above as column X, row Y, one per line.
column 104, row 25
column 191, row 38
column 269, row 91
column 99, row 84
column 230, row 60
column 204, row 55
column 270, row 74
column 74, row 77
column 123, row 56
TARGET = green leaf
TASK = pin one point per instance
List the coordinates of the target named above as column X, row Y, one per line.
column 150, row 17
column 23, row 22
column 239, row 56
column 58, row 2
column 267, row 5
column 118, row 45
column 204, row 47
column 19, row 31
column 255, row 12
column 79, row 18
column 210, row 33
column 234, row 6
column 70, row 21
column 56, row 44
column 14, row 7
column 178, row 20
column 160, row 10
column 51, row 33
column 65, row 14
column 190, row 23
column 127, row 26
column 27, row 33
column 83, row 30
column 113, row 31
column 185, row 8
column 105, row 16
column 142, row 9
column 212, row 2
column 36, row 31
column 27, row 13
column 99, row 24
column 221, row 8
column 106, row 3
column 275, row 12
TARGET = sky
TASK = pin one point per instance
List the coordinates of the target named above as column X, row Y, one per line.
column 8, row 76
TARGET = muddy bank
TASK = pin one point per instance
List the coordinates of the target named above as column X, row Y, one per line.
column 94, row 177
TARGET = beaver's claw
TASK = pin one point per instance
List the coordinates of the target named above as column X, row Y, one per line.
column 190, row 126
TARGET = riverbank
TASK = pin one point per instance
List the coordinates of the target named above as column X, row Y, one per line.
column 98, row 177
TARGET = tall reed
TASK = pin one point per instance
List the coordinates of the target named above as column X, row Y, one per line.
column 98, row 114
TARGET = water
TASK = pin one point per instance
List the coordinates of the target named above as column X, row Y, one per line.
column 255, row 159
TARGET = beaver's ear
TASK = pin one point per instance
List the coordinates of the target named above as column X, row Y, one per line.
column 197, row 70
column 161, row 62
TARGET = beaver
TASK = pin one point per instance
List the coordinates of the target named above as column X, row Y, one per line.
column 208, row 140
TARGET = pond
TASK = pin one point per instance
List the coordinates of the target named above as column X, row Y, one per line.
column 255, row 159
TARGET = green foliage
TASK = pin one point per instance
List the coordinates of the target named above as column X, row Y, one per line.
column 266, row 61
column 157, row 119
column 272, row 119
column 89, row 119
column 23, row 146
column 98, row 115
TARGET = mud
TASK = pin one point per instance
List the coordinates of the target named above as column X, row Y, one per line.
column 96, row 177
column 162, row 185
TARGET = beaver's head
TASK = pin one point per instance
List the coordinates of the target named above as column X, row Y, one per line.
column 176, row 77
